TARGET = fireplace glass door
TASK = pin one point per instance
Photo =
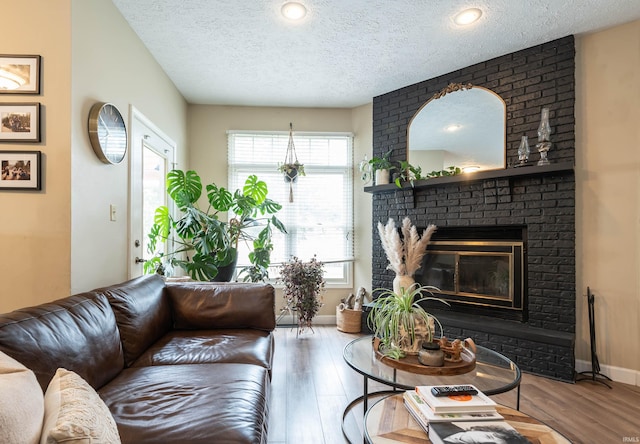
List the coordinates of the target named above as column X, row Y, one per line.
column 482, row 273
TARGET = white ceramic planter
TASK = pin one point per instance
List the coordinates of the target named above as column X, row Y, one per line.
column 382, row 177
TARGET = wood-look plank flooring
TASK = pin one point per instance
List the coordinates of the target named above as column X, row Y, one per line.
column 312, row 385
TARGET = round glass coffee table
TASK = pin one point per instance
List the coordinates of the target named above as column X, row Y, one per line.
column 494, row 373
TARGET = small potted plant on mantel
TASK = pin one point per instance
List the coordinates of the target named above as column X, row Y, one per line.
column 382, row 167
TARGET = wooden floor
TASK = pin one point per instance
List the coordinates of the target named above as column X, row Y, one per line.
column 312, row 385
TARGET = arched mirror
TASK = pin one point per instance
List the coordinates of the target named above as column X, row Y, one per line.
column 463, row 126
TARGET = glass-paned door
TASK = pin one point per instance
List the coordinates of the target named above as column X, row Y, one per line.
column 151, row 158
column 154, row 174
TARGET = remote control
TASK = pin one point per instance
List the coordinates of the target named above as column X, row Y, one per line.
column 453, row 390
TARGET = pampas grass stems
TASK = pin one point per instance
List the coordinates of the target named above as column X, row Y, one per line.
column 404, row 255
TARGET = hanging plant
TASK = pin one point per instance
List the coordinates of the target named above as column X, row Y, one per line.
column 291, row 171
column 291, row 168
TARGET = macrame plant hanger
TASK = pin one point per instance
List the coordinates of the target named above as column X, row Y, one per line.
column 291, row 158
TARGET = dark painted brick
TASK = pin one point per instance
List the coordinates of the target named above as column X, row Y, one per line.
column 526, row 80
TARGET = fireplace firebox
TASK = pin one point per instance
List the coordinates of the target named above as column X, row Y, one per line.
column 481, row 271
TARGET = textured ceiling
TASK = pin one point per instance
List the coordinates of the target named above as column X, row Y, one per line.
column 344, row 52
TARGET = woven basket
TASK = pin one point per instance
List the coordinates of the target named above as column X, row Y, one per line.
column 348, row 321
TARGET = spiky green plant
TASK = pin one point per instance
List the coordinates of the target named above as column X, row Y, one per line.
column 398, row 318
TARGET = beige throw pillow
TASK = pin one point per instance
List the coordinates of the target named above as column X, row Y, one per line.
column 21, row 403
column 75, row 413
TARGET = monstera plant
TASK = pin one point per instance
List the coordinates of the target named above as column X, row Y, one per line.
column 202, row 244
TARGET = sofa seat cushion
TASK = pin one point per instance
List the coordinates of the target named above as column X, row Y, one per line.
column 195, row 403
column 211, row 346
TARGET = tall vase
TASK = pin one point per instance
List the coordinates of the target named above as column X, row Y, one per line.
column 402, row 281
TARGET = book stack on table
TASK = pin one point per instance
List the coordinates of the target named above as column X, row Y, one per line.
column 464, row 418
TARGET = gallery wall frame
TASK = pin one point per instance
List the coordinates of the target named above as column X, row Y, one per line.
column 20, row 170
column 19, row 74
column 20, row 122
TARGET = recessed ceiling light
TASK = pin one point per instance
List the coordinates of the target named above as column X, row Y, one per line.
column 467, row 16
column 453, row 127
column 294, row 10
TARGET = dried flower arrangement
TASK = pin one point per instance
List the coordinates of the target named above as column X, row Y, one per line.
column 404, row 255
column 397, row 317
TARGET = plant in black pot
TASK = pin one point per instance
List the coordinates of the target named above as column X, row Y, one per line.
column 204, row 246
column 291, row 171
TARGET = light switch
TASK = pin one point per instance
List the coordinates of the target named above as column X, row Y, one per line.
column 112, row 213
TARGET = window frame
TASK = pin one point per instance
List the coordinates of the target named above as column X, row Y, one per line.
column 238, row 171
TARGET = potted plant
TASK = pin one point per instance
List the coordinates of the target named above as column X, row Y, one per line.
column 291, row 171
column 382, row 167
column 409, row 173
column 400, row 322
column 302, row 283
column 449, row 171
column 211, row 244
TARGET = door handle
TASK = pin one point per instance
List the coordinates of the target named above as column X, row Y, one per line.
column 140, row 260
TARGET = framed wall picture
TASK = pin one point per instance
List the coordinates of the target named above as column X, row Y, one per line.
column 20, row 170
column 19, row 74
column 19, row 122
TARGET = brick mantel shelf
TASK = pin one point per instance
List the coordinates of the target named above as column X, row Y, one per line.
column 528, row 171
column 465, row 178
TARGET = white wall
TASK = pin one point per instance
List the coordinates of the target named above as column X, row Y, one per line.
column 110, row 64
column 608, row 197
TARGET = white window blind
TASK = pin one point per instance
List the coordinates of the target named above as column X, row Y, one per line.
column 319, row 221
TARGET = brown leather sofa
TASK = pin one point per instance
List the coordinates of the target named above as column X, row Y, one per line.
column 175, row 363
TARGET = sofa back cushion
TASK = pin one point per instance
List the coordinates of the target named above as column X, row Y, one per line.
column 142, row 311
column 78, row 333
column 222, row 305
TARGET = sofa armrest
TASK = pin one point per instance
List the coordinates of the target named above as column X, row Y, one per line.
column 209, row 305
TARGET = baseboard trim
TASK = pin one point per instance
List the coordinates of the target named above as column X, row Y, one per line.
column 618, row 374
column 288, row 320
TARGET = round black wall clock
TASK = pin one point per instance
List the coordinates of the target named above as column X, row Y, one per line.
column 107, row 132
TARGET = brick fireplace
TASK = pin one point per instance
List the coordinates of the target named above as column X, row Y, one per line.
column 538, row 201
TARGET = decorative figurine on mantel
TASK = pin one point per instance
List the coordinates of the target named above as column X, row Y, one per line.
column 544, row 132
column 523, row 152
